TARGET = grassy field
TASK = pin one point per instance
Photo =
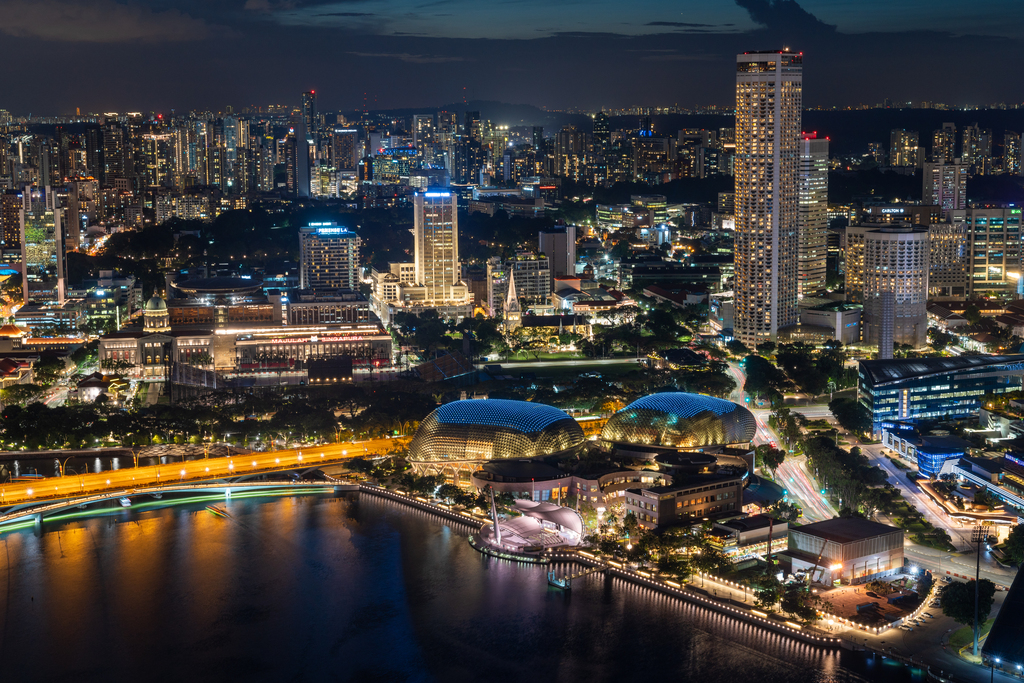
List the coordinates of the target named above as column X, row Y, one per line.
column 963, row 637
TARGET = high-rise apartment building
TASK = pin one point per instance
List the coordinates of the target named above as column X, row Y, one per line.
column 1011, row 153
column 11, row 205
column 570, row 153
column 887, row 270
column 903, row 147
column 812, row 218
column 769, row 101
column 345, row 149
column 945, row 185
column 310, row 117
column 328, row 258
column 944, row 144
column 976, row 152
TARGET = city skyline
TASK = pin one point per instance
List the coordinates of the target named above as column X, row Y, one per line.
column 424, row 54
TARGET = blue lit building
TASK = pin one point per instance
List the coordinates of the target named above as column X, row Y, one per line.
column 933, row 388
column 928, row 452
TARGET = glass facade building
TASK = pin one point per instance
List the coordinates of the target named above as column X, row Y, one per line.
column 680, row 420
column 933, row 388
column 493, row 429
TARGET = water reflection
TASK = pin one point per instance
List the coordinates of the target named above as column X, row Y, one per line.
column 345, row 588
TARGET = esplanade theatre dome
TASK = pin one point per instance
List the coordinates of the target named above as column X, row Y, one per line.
column 493, row 429
column 680, row 420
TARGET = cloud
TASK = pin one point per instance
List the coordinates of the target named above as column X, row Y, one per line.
column 783, row 15
column 411, row 59
column 676, row 23
column 345, row 14
column 97, row 21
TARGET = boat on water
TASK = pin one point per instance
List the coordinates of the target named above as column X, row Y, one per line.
column 218, row 511
column 125, row 502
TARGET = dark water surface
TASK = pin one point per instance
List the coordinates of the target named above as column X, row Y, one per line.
column 348, row 588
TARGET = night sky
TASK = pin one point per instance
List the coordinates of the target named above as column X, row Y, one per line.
column 106, row 55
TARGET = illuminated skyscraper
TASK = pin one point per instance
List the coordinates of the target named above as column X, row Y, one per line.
column 42, row 248
column 309, row 113
column 328, row 258
column 436, row 243
column 903, row 147
column 945, row 185
column 1011, row 153
column 944, row 144
column 768, row 108
column 813, row 215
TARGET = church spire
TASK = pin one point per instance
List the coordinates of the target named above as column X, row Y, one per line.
column 512, row 311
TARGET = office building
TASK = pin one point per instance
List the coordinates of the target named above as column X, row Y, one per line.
column 933, row 388
column 768, row 109
column 887, row 271
column 995, row 250
column 903, row 147
column 436, row 243
column 571, row 153
column 812, row 218
column 328, row 258
column 42, row 248
column 559, row 245
column 689, row 499
column 945, row 185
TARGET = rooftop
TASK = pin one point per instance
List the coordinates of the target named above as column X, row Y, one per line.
column 880, row 372
column 847, row 529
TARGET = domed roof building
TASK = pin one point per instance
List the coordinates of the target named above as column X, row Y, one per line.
column 677, row 420
column 155, row 317
column 477, row 430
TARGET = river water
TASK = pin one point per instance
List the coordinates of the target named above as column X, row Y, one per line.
column 348, row 588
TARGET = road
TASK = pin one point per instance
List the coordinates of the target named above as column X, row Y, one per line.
column 190, row 471
column 792, row 474
column 582, row 362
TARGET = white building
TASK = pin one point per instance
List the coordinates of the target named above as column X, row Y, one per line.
column 768, row 108
column 813, row 214
column 945, row 185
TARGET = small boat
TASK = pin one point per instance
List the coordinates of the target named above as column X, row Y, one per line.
column 125, row 502
column 218, row 511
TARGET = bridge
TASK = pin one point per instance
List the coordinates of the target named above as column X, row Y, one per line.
column 29, row 514
column 235, row 468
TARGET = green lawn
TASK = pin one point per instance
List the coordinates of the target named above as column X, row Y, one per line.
column 963, row 637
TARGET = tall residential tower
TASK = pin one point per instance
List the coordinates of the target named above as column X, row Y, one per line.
column 812, row 231
column 768, row 108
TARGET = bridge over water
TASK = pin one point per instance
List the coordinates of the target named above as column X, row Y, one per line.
column 17, row 497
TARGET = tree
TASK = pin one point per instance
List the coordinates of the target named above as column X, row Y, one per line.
column 20, row 394
column 48, row 369
column 958, row 601
column 851, row 414
column 449, row 492
column 972, row 314
column 1014, row 549
column 767, row 591
column 769, row 457
column 737, row 348
column 797, row 601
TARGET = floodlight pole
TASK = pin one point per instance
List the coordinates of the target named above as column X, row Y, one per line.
column 977, row 535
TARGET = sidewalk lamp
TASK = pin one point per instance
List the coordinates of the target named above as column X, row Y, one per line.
column 978, row 535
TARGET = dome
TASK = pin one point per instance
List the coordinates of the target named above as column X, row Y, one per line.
column 493, row 429
column 680, row 420
column 156, row 304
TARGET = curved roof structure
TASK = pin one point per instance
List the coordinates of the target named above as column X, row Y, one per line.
column 882, row 372
column 220, row 285
column 492, row 429
column 549, row 512
column 156, row 304
column 680, row 420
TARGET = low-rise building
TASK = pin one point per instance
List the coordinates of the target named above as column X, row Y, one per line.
column 687, row 499
column 849, row 550
column 747, row 537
